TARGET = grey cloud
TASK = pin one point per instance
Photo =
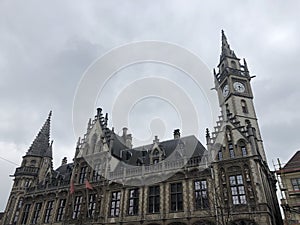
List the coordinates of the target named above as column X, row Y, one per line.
column 45, row 48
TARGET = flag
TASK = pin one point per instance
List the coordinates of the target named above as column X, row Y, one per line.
column 88, row 185
column 72, row 190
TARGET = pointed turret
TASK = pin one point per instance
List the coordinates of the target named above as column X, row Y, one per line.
column 41, row 146
column 226, row 51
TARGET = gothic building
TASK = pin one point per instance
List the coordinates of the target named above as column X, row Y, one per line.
column 289, row 175
column 172, row 182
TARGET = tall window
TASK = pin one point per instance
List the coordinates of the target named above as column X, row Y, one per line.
column 115, row 203
column 25, row 214
column 154, row 199
column 17, row 213
column 243, row 148
column 133, row 201
column 61, row 210
column 77, row 207
column 201, row 198
column 36, row 213
column 48, row 212
column 82, row 174
column 220, row 155
column 231, row 151
column 244, row 106
column 296, row 184
column 27, row 183
column 92, row 205
column 176, row 197
column 97, row 172
column 237, row 190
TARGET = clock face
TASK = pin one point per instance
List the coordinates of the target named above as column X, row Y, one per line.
column 239, row 87
column 225, row 90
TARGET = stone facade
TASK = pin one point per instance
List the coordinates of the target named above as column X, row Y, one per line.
column 172, row 182
column 290, row 186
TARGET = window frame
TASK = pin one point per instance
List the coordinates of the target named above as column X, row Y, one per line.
column 92, row 205
column 237, row 189
column 154, row 199
column 36, row 212
column 25, row 214
column 61, row 210
column 82, row 174
column 115, row 202
column 17, row 212
column 231, row 150
column 201, row 194
column 176, row 197
column 244, row 106
column 77, row 207
column 48, row 211
column 133, row 202
column 295, row 184
column 96, row 172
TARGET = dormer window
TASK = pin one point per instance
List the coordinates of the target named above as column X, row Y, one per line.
column 128, row 155
column 156, row 152
column 156, row 156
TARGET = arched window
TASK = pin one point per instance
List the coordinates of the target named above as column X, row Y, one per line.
column 155, row 152
column 155, row 156
column 243, row 148
column 244, row 106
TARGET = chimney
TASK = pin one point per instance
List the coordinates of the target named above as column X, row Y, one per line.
column 64, row 161
column 156, row 140
column 124, row 132
column 99, row 112
column 176, row 134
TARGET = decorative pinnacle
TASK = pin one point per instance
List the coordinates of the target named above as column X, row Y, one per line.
column 207, row 133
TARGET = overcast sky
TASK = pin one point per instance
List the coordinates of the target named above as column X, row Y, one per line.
column 46, row 47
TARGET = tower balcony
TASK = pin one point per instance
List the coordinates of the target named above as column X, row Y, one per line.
column 27, row 170
column 231, row 71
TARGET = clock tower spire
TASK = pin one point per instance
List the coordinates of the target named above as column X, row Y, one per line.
column 232, row 82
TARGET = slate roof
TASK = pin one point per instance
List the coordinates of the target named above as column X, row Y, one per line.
column 41, row 146
column 64, row 171
column 226, row 51
column 190, row 146
column 293, row 164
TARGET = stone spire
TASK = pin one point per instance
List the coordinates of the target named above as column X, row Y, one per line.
column 41, row 146
column 226, row 51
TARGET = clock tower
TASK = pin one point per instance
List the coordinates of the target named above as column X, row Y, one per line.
column 244, row 184
column 232, row 82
